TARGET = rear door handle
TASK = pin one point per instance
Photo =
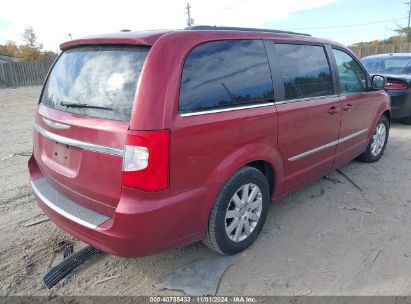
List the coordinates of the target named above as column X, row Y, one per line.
column 333, row 110
column 347, row 107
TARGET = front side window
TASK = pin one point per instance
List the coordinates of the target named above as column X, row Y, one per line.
column 352, row 78
column 222, row 74
column 97, row 81
column 304, row 70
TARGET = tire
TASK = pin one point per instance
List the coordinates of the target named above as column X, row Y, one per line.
column 378, row 142
column 229, row 211
column 406, row 120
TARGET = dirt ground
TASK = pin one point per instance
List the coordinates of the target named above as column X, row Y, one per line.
column 326, row 239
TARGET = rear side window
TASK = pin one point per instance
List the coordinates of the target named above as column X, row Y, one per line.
column 304, row 70
column 223, row 74
column 352, row 78
column 97, row 81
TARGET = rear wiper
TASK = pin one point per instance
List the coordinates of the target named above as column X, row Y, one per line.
column 82, row 105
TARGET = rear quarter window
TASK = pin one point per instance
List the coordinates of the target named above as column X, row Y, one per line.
column 223, row 74
column 97, row 81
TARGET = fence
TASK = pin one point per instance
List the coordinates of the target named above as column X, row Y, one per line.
column 362, row 51
column 24, row 73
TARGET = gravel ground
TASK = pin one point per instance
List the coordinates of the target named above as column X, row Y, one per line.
column 328, row 238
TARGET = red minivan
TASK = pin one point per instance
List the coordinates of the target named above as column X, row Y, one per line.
column 145, row 141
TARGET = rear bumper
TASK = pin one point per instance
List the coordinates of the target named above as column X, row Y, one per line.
column 400, row 103
column 142, row 224
column 68, row 208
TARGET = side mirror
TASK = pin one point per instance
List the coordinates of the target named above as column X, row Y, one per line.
column 378, row 82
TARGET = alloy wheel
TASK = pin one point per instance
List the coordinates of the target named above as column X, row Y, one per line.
column 243, row 212
column 378, row 139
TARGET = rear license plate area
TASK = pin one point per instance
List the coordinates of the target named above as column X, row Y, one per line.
column 61, row 153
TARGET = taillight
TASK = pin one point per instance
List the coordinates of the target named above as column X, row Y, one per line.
column 145, row 160
column 395, row 85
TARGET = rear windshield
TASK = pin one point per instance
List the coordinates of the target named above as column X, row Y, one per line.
column 388, row 65
column 97, row 81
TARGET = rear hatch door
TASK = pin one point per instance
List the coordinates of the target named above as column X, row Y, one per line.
column 82, row 121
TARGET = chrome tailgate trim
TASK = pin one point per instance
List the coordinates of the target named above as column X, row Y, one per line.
column 78, row 143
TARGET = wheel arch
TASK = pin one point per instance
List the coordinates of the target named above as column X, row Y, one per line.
column 267, row 169
column 381, row 111
column 387, row 113
column 261, row 156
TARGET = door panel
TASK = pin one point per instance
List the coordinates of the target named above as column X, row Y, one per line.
column 355, row 124
column 357, row 108
column 307, row 133
column 309, row 113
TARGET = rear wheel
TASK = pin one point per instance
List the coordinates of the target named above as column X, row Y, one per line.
column 239, row 212
column 378, row 142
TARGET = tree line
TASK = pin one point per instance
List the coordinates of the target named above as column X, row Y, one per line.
column 403, row 35
column 30, row 50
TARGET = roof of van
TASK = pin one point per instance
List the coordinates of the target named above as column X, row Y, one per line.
column 149, row 37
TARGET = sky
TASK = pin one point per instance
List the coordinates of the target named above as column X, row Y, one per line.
column 345, row 21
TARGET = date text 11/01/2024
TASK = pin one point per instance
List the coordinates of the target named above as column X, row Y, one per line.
column 202, row 299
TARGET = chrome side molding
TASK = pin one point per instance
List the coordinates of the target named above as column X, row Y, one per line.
column 326, row 146
column 227, row 109
column 305, row 99
column 78, row 143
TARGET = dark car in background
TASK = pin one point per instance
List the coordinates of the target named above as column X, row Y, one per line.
column 397, row 69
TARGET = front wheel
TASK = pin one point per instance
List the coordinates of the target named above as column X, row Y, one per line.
column 239, row 212
column 378, row 142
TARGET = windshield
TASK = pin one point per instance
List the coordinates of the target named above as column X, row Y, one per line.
column 388, row 65
column 97, row 81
